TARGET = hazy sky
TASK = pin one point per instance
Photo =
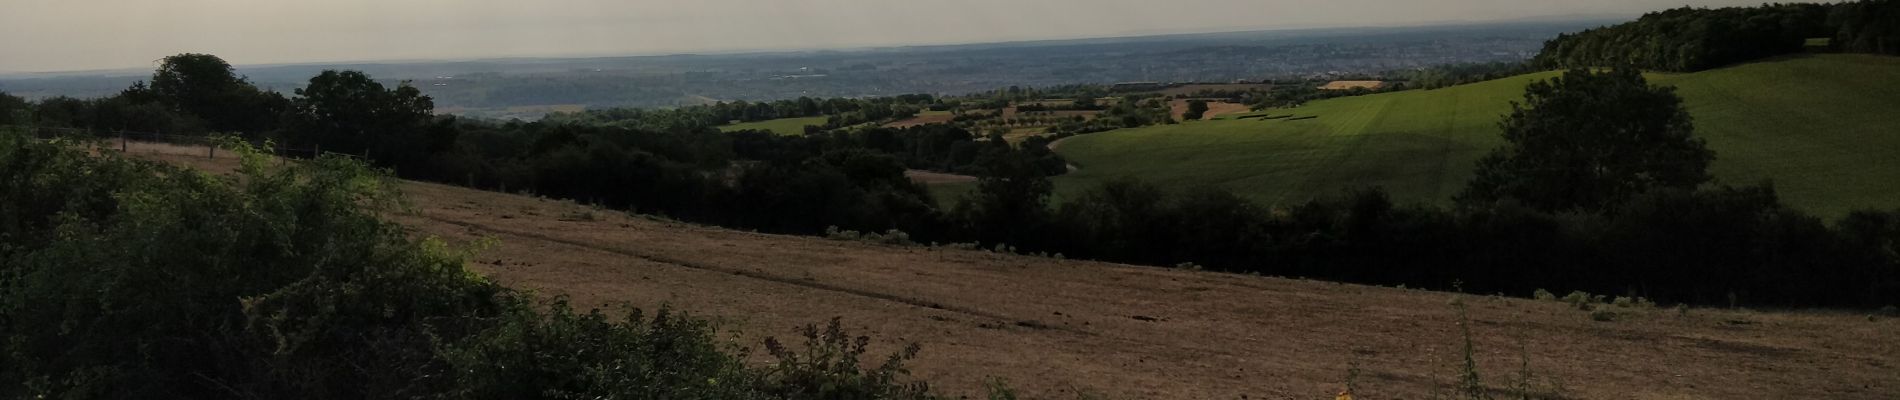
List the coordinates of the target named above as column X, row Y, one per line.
column 50, row 35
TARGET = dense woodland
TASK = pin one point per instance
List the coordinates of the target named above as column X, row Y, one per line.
column 1694, row 39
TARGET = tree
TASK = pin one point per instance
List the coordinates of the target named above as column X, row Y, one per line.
column 13, row 109
column 1589, row 140
column 1195, row 110
column 1871, row 26
column 1011, row 201
column 206, row 86
column 348, row 112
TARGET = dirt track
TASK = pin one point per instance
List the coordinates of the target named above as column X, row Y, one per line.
column 1053, row 328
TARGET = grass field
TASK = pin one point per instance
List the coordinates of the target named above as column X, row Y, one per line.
column 782, row 126
column 1825, row 129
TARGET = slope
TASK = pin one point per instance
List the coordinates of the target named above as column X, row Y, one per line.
column 1054, row 328
column 1823, row 128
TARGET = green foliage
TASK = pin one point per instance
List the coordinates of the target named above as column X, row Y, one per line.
column 1000, row 390
column 206, row 87
column 1195, row 110
column 122, row 279
column 1010, row 203
column 1604, row 315
column 1691, row 39
column 1470, row 385
column 1588, row 140
column 347, row 112
column 1543, row 295
column 831, row 367
column 559, row 353
column 1867, row 26
column 13, row 109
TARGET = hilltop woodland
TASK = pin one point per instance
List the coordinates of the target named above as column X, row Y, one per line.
column 1690, row 39
column 1630, row 215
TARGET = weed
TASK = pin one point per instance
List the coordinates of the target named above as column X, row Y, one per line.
column 1352, row 375
column 1544, row 295
column 1579, row 299
column 583, row 215
column 890, row 237
column 999, row 389
column 1603, row 315
column 830, row 368
column 1469, row 383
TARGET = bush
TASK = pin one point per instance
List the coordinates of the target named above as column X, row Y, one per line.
column 1543, row 295
column 1603, row 315
column 1579, row 299
column 831, row 368
column 125, row 279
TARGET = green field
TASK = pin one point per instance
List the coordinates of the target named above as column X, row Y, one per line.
column 782, row 126
column 1825, row 129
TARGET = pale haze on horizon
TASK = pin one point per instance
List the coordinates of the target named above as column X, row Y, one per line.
column 64, row 35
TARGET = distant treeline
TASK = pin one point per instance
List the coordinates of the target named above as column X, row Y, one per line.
column 842, row 112
column 1458, row 74
column 671, row 162
column 1694, row 39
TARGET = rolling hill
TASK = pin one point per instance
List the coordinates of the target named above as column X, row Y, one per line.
column 1822, row 128
column 1062, row 329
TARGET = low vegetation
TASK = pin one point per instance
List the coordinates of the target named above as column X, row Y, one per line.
column 122, row 279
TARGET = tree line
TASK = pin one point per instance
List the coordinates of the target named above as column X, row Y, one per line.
column 1693, row 39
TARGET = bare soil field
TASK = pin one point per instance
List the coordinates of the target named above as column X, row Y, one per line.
column 1055, row 328
column 1345, row 85
column 920, row 120
column 1214, row 108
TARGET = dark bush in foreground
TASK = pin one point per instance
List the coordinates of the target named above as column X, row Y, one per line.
column 122, row 279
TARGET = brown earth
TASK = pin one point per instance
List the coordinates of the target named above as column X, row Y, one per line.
column 1214, row 108
column 922, row 120
column 1054, row 328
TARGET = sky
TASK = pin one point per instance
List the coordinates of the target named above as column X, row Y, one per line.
column 66, row 35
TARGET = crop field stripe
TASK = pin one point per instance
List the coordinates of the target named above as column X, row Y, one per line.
column 1822, row 127
column 743, row 273
column 1352, row 137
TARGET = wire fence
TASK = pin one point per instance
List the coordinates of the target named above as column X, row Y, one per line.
column 161, row 143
